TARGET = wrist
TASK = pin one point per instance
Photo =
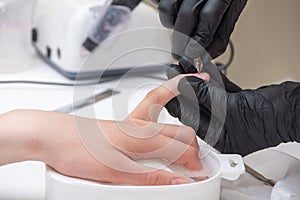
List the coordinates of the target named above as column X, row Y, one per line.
column 18, row 141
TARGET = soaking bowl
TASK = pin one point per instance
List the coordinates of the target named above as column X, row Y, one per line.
column 216, row 166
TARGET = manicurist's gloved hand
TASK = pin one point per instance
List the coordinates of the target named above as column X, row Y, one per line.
column 239, row 121
column 205, row 23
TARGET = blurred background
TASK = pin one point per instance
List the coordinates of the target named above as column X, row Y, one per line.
column 267, row 43
column 266, row 40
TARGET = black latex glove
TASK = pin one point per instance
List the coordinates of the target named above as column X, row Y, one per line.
column 253, row 119
column 208, row 22
column 129, row 3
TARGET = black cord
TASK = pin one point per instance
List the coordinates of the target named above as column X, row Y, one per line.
column 52, row 83
column 232, row 52
column 224, row 67
column 41, row 83
column 76, row 84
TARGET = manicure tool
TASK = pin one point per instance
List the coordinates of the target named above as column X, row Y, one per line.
column 260, row 177
column 86, row 101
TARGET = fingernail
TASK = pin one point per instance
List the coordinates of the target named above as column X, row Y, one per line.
column 198, row 75
column 202, row 75
column 178, row 181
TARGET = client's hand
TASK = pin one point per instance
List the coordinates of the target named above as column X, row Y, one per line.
column 100, row 150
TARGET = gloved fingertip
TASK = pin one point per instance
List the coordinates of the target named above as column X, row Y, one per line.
column 189, row 85
column 167, row 22
column 174, row 70
column 173, row 107
column 178, row 68
column 187, row 65
column 175, row 55
column 197, row 47
column 191, row 80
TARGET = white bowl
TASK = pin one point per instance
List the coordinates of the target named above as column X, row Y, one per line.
column 217, row 166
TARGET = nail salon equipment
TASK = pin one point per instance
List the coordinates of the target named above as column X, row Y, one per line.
column 62, row 27
column 115, row 17
column 86, row 101
column 281, row 164
column 259, row 176
column 220, row 66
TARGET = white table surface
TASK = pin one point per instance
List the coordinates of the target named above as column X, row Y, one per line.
column 26, row 180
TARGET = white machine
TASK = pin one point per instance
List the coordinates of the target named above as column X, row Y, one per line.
column 62, row 26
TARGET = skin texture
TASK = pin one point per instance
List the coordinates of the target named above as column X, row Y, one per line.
column 108, row 153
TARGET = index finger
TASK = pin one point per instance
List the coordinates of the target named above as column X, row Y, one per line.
column 150, row 107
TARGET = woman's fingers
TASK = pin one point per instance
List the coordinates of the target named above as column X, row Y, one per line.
column 113, row 167
column 121, row 133
column 78, row 148
column 140, row 129
column 183, row 134
column 146, row 176
column 175, row 152
column 150, row 107
column 175, row 143
column 121, row 169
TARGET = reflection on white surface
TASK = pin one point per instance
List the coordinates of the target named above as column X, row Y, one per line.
column 15, row 30
column 280, row 164
column 22, row 181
